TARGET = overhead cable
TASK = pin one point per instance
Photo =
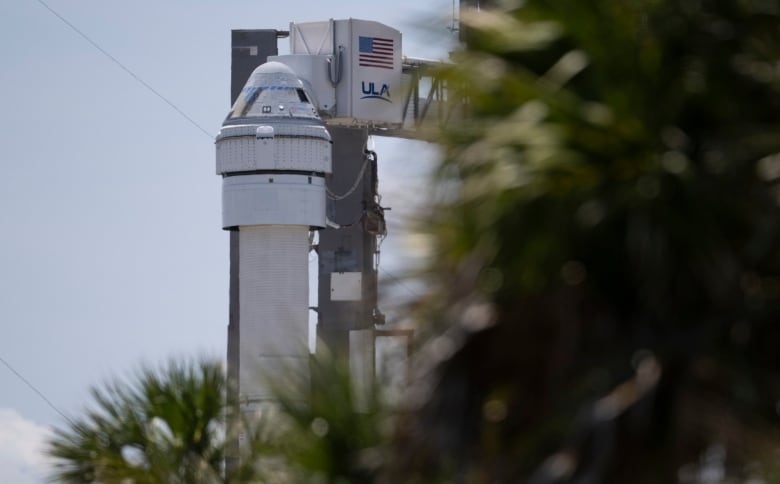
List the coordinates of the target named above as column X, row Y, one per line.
column 125, row 68
column 354, row 186
column 33, row 388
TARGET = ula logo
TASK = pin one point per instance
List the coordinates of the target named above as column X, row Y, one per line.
column 370, row 91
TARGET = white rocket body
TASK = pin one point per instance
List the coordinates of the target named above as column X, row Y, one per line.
column 273, row 153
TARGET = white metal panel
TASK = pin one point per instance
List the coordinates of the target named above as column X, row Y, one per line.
column 236, row 154
column 313, row 38
column 303, row 154
column 263, row 156
column 375, row 72
column 273, row 199
column 274, row 295
column 346, row 286
column 371, row 93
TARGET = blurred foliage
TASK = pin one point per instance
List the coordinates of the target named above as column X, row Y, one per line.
column 160, row 426
column 607, row 202
column 336, row 437
column 174, row 425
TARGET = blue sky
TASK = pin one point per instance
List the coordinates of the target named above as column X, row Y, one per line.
column 111, row 251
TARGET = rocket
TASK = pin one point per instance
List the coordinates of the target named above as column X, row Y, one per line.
column 273, row 153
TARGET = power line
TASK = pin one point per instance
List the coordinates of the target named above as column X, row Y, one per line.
column 33, row 388
column 125, row 68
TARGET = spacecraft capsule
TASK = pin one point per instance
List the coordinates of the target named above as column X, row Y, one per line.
column 273, row 129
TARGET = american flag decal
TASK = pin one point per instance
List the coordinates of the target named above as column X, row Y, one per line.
column 375, row 52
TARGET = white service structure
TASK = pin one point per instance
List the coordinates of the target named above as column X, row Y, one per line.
column 273, row 153
column 354, row 68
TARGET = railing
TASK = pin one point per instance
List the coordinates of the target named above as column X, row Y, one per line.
column 426, row 101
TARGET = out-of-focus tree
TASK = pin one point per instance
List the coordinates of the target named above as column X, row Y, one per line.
column 161, row 426
column 605, row 249
column 338, row 436
column 174, row 425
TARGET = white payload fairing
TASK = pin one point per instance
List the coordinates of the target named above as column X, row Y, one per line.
column 273, row 153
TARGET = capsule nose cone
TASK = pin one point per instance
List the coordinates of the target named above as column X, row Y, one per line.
column 273, row 91
column 272, row 67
